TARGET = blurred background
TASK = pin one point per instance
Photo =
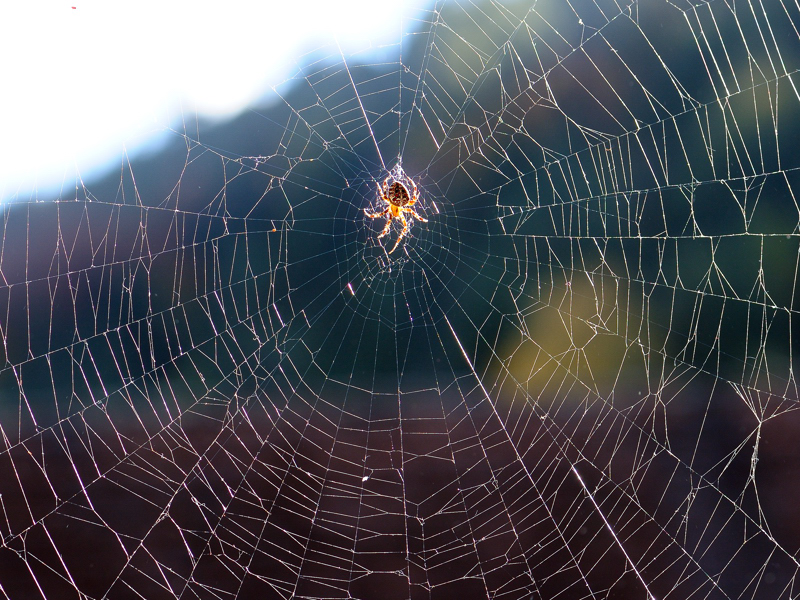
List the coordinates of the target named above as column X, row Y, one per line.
column 577, row 377
column 88, row 80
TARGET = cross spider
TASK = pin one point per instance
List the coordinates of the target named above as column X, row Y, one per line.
column 399, row 201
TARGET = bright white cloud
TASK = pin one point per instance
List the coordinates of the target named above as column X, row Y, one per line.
column 78, row 83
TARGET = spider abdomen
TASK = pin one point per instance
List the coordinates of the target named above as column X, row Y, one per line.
column 398, row 194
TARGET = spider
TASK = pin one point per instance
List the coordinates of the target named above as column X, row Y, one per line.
column 399, row 201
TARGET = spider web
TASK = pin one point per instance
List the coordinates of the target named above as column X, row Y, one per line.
column 575, row 380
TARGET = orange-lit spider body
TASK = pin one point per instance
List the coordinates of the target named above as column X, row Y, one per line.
column 399, row 201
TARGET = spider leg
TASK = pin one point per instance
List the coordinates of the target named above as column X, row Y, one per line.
column 376, row 215
column 416, row 216
column 382, row 193
column 386, row 229
column 402, row 233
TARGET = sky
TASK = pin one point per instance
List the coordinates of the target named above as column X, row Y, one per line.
column 87, row 81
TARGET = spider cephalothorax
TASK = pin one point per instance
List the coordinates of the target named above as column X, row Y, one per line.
column 399, row 201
